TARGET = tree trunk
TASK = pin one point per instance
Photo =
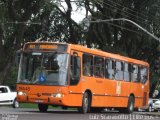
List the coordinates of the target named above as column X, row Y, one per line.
column 8, row 60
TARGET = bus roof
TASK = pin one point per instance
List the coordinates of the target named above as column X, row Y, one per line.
column 106, row 54
column 95, row 52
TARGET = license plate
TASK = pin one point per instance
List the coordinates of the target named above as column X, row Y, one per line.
column 39, row 101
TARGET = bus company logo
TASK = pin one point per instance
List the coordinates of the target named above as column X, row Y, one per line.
column 39, row 94
column 9, row 117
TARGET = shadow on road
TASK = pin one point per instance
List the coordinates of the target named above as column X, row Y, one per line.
column 58, row 111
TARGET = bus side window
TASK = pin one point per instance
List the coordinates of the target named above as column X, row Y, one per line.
column 143, row 73
column 126, row 72
column 119, row 70
column 109, row 68
column 135, row 73
column 98, row 67
column 74, row 70
column 87, row 65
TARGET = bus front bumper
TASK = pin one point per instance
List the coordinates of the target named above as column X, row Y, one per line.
column 54, row 99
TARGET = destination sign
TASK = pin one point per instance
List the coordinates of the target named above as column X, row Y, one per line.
column 43, row 46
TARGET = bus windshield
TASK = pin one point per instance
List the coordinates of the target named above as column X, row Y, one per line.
column 45, row 68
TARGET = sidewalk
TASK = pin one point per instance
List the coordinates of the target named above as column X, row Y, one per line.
column 157, row 114
column 153, row 113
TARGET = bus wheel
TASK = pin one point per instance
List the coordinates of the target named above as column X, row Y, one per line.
column 15, row 103
column 130, row 107
column 85, row 103
column 42, row 107
column 150, row 108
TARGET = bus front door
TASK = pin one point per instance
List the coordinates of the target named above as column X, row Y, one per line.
column 74, row 79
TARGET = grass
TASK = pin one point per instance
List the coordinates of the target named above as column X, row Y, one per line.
column 28, row 105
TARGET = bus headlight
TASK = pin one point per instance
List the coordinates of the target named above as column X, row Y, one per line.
column 57, row 95
column 22, row 93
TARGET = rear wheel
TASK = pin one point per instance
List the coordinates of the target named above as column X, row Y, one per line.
column 43, row 107
column 130, row 106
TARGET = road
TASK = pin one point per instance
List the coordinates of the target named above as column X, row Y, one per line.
column 56, row 114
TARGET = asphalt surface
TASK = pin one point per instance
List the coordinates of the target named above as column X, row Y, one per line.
column 7, row 113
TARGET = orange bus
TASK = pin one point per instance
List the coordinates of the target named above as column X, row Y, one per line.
column 69, row 75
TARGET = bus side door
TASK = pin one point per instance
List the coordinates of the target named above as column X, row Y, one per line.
column 74, row 78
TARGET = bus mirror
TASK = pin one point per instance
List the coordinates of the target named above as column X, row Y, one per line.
column 18, row 56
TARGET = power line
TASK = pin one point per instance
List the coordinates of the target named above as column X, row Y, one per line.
column 119, row 9
column 121, row 14
column 124, row 28
column 130, row 21
column 101, row 2
column 127, row 8
column 115, row 25
column 132, row 10
column 125, row 11
column 143, row 23
column 37, row 23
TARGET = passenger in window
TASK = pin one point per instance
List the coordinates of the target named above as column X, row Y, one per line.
column 99, row 70
column 86, row 68
column 39, row 75
column 106, row 70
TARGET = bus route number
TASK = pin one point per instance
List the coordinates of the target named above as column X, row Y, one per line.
column 24, row 88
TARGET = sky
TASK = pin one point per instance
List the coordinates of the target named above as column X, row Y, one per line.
column 77, row 15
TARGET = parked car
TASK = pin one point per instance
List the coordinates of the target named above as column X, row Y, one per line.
column 156, row 105
column 7, row 97
column 151, row 104
column 150, row 107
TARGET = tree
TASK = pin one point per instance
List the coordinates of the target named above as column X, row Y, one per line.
column 11, row 33
column 56, row 24
column 121, row 37
column 20, row 24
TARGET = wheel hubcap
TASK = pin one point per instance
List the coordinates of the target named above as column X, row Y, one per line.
column 16, row 104
column 86, row 102
column 131, row 107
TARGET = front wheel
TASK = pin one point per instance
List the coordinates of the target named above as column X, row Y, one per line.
column 15, row 103
column 43, row 107
column 85, row 103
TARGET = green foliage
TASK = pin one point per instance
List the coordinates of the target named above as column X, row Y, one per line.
column 123, row 38
column 158, row 88
column 11, row 79
column 118, row 37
